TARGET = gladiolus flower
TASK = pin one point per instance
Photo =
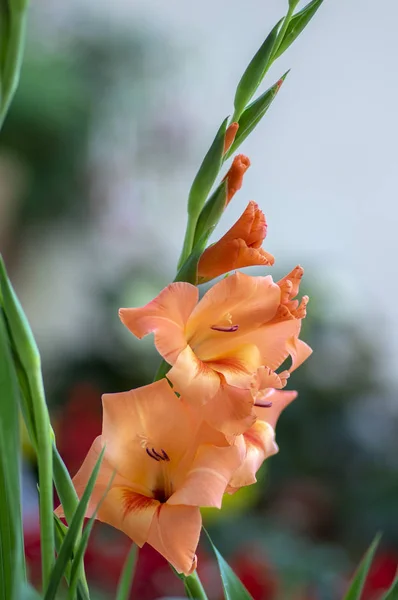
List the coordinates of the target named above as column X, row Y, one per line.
column 166, row 464
column 239, row 247
column 217, row 345
column 234, row 177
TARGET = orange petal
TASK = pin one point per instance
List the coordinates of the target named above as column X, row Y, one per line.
column 208, row 477
column 237, row 365
column 294, row 277
column 260, row 444
column 240, row 300
column 234, row 177
column 230, row 411
column 299, row 351
column 240, row 247
column 112, row 510
column 279, row 400
column 130, row 512
column 225, row 256
column 174, row 533
column 193, row 378
column 264, row 379
column 142, row 420
column 273, row 341
column 165, row 316
column 230, row 136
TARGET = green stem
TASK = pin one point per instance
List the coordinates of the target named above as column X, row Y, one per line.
column 194, row 587
column 13, row 56
column 45, row 467
column 188, row 240
column 281, row 33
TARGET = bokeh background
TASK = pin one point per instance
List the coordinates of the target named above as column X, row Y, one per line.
column 117, row 105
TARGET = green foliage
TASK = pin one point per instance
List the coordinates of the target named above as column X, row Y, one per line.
column 358, row 582
column 27, row 592
column 296, row 25
column 392, row 593
column 207, row 173
column 11, row 540
column 69, row 543
column 232, row 586
column 211, row 213
column 27, row 355
column 13, row 15
column 201, row 187
column 254, row 113
column 254, row 73
column 126, row 578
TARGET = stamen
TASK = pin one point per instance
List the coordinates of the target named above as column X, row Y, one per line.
column 263, row 403
column 224, row 328
column 156, row 456
column 151, row 455
column 160, row 457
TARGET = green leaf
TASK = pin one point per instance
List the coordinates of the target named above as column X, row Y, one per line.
column 12, row 566
column 78, row 557
column 13, row 27
column 189, row 270
column 65, row 488
column 22, row 336
column 26, row 355
column 68, row 545
column 211, row 213
column 254, row 113
column 296, row 25
column 254, row 73
column 207, row 173
column 233, row 587
column 358, row 582
column 27, row 592
column 126, row 578
column 392, row 593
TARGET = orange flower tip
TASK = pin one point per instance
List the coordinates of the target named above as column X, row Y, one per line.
column 235, row 175
column 230, row 136
column 225, row 329
column 279, row 84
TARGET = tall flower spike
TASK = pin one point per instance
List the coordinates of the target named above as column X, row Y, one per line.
column 239, row 247
column 217, row 345
column 166, row 466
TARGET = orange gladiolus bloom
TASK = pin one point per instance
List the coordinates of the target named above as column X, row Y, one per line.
column 260, row 438
column 239, row 247
column 166, row 464
column 217, row 345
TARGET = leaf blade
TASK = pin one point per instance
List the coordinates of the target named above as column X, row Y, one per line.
column 232, row 586
column 355, row 590
column 296, row 25
column 254, row 73
column 72, row 534
column 126, row 578
column 254, row 113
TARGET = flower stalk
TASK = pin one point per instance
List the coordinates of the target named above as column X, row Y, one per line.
column 194, row 587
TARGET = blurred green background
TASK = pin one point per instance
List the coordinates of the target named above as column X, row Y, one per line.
column 96, row 156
